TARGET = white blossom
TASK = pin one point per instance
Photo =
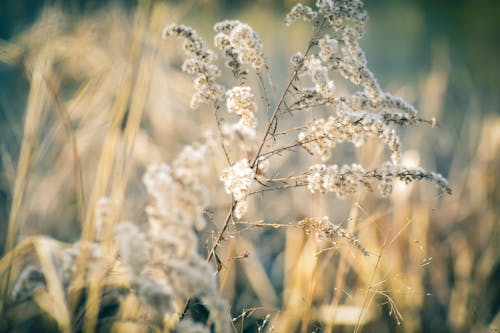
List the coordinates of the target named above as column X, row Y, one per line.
column 344, row 181
column 300, row 11
column 237, row 181
column 240, row 100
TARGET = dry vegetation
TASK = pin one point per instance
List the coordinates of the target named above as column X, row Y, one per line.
column 102, row 236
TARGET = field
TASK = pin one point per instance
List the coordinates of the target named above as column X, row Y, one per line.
column 147, row 185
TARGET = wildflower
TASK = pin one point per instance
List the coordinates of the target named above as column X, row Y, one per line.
column 344, row 180
column 328, row 47
column 240, row 100
column 323, row 229
column 223, row 43
column 326, row 7
column 237, row 180
column 241, row 208
column 133, row 246
column 226, row 26
column 299, row 11
column 388, row 172
column 201, row 64
column 190, row 165
column 319, row 75
column 193, row 43
column 178, row 196
column 243, row 42
column 322, row 135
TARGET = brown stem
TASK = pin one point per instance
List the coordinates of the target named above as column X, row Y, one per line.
column 278, row 106
column 212, row 252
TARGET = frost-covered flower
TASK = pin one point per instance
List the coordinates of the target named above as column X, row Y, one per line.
column 223, row 43
column 240, row 100
column 390, row 172
column 344, row 180
column 177, row 193
column 237, row 180
column 241, row 208
column 323, row 229
column 243, row 40
column 319, row 75
column 323, row 135
column 201, row 64
column 300, row 11
column 133, row 246
column 328, row 47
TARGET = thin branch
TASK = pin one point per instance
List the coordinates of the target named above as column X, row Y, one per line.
column 210, row 255
column 278, row 188
column 278, row 106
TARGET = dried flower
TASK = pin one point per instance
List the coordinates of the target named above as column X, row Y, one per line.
column 322, row 135
column 323, row 229
column 300, row 11
column 344, row 180
column 133, row 246
column 319, row 75
column 223, row 43
column 240, row 100
column 388, row 172
column 243, row 42
column 349, row 179
column 328, row 47
column 200, row 64
column 237, row 180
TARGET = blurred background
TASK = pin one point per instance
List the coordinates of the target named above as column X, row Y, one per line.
column 441, row 267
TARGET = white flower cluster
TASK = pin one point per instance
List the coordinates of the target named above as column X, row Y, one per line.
column 348, row 179
column 165, row 263
column 237, row 181
column 223, row 42
column 319, row 75
column 339, row 13
column 328, row 47
column 323, row 229
column 202, row 64
column 176, row 200
column 352, row 65
column 134, row 247
column 300, row 11
column 322, row 135
column 240, row 100
column 236, row 38
column 344, row 180
column 342, row 52
column 389, row 172
column 191, row 163
column 326, row 7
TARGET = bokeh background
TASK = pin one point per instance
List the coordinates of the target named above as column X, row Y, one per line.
column 441, row 56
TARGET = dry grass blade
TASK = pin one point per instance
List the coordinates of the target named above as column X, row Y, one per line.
column 34, row 114
column 107, row 163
